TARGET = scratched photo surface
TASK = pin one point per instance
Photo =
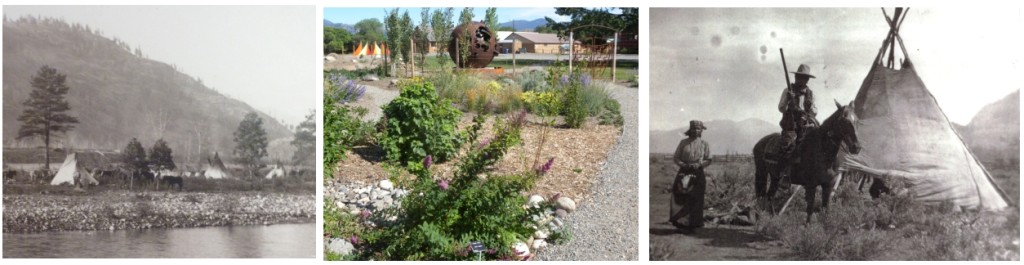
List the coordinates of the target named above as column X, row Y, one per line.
column 937, row 130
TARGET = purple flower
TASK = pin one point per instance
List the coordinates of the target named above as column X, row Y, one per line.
column 585, row 79
column 443, row 184
column 555, row 197
column 564, row 80
column 491, row 251
column 547, row 166
column 483, row 144
column 429, row 160
column 354, row 240
column 365, row 214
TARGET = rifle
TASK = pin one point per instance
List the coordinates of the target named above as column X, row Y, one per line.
column 785, row 70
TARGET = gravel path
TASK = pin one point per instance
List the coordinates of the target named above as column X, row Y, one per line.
column 373, row 99
column 605, row 227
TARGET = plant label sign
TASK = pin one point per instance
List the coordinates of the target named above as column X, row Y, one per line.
column 477, row 247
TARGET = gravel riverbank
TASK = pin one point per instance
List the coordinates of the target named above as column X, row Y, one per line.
column 119, row 210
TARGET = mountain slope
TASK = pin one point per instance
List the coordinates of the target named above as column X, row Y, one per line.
column 525, row 25
column 994, row 133
column 724, row 136
column 117, row 94
column 349, row 28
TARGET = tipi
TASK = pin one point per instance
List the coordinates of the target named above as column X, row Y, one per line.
column 74, row 168
column 215, row 168
column 905, row 135
column 276, row 172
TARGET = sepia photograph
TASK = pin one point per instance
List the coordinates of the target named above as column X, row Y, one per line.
column 834, row 134
column 159, row 132
column 480, row 133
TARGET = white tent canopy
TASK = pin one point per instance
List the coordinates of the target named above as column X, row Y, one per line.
column 72, row 170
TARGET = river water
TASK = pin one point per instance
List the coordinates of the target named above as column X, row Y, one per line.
column 272, row 241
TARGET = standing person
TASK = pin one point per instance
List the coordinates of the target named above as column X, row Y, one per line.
column 692, row 156
column 798, row 114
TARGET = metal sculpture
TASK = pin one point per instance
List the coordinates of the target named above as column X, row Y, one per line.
column 477, row 41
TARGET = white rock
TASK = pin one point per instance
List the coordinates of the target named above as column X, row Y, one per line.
column 566, row 204
column 340, row 246
column 386, row 185
column 534, row 200
column 340, row 205
column 540, row 234
column 354, row 211
column 539, row 244
column 370, row 77
column 521, row 249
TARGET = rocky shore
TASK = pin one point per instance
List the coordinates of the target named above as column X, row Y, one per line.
column 119, row 210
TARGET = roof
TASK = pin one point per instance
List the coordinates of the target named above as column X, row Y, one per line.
column 535, row 37
column 502, row 35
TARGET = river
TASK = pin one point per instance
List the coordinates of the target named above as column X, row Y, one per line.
column 272, row 241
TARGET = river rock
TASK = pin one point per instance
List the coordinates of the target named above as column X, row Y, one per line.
column 538, row 244
column 561, row 213
column 340, row 246
column 535, row 200
column 540, row 234
column 386, row 185
column 566, row 204
column 521, row 249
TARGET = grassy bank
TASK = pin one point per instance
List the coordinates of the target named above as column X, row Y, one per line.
column 117, row 210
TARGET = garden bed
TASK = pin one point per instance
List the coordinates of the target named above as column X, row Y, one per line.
column 579, row 156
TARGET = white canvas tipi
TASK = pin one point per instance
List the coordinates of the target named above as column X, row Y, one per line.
column 905, row 135
column 215, row 168
column 70, row 171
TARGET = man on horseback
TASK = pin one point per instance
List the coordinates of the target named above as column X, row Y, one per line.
column 692, row 156
column 798, row 113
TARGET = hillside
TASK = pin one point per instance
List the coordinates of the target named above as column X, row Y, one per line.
column 724, row 136
column 117, row 93
column 994, row 133
column 349, row 28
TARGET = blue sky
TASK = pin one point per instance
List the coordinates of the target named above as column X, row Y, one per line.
column 352, row 15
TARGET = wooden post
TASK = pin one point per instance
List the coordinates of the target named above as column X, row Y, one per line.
column 412, row 59
column 615, row 51
column 570, row 52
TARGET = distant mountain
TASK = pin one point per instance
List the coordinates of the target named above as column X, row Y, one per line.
column 117, row 93
column 724, row 136
column 994, row 133
column 350, row 28
column 525, row 25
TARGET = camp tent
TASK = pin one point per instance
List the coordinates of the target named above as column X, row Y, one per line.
column 79, row 164
column 215, row 168
column 275, row 172
column 904, row 134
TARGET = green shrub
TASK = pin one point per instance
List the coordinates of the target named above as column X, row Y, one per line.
column 573, row 109
column 441, row 217
column 533, row 81
column 419, row 123
column 611, row 115
column 343, row 128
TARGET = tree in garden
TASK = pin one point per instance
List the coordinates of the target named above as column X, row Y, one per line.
column 336, row 39
column 160, row 156
column 491, row 18
column 441, row 22
column 45, row 112
column 393, row 35
column 466, row 16
column 250, row 142
column 405, row 26
column 421, row 36
column 305, row 140
column 627, row 22
column 369, row 30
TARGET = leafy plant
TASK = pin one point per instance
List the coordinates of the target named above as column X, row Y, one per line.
column 612, row 114
column 419, row 123
column 343, row 128
column 440, row 221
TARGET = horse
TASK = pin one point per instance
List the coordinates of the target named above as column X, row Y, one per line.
column 817, row 153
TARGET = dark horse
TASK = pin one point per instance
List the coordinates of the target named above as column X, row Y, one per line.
column 817, row 153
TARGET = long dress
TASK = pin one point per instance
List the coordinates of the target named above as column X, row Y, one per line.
column 687, row 206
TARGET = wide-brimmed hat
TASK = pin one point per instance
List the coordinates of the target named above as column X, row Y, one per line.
column 803, row 70
column 696, row 124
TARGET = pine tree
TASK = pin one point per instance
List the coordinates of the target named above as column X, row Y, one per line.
column 160, row 156
column 46, row 109
column 305, row 140
column 250, row 142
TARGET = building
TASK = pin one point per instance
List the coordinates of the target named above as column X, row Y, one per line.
column 532, row 42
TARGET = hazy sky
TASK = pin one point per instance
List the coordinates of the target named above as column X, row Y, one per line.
column 262, row 55
column 967, row 58
column 352, row 15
